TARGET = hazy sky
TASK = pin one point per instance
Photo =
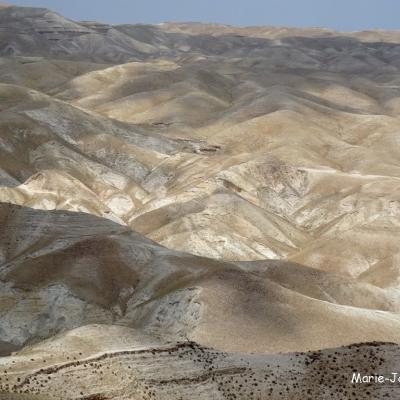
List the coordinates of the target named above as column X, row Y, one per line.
column 338, row 14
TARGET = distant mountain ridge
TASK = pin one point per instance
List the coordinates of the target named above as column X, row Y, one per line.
column 41, row 32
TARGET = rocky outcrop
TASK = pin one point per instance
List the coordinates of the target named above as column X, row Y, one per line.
column 186, row 370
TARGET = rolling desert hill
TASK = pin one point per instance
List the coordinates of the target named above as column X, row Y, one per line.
column 200, row 203
column 292, row 134
column 62, row 270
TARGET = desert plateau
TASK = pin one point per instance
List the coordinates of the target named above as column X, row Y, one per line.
column 197, row 211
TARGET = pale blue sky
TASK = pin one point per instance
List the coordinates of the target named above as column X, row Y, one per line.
column 346, row 15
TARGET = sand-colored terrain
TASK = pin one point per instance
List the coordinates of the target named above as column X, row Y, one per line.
column 207, row 197
column 62, row 270
column 95, row 363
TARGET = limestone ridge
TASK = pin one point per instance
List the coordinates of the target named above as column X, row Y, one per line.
column 186, row 370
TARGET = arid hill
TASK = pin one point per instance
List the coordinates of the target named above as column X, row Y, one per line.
column 63, row 270
column 234, row 143
column 203, row 194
